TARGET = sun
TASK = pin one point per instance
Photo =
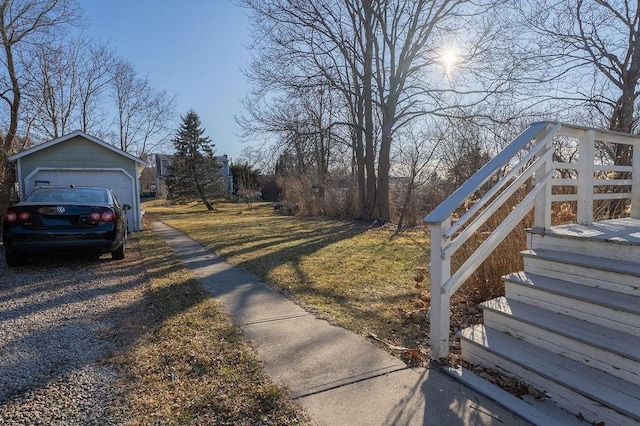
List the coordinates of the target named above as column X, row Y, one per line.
column 449, row 58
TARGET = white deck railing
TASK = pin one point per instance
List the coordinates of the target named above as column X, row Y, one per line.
column 527, row 162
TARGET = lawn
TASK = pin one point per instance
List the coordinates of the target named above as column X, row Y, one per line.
column 191, row 365
column 360, row 277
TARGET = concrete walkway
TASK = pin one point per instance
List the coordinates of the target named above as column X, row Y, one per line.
column 337, row 376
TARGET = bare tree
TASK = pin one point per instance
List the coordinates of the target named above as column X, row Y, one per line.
column 26, row 23
column 143, row 113
column 51, row 97
column 306, row 46
column 305, row 128
column 380, row 56
column 592, row 49
column 416, row 152
column 66, row 88
column 94, row 80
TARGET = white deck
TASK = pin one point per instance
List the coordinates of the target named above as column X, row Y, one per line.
column 569, row 324
column 626, row 230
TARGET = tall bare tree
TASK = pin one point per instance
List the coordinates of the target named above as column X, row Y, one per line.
column 590, row 51
column 51, row 97
column 591, row 48
column 94, row 80
column 25, row 23
column 66, row 88
column 143, row 113
column 380, row 55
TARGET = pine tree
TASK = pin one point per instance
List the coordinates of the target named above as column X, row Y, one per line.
column 193, row 170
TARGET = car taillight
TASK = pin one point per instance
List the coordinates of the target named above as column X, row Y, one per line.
column 10, row 217
column 108, row 216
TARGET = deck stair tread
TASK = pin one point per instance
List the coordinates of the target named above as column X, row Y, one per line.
column 537, row 411
column 595, row 335
column 621, row 231
column 569, row 324
column 616, row 393
column 586, row 261
column 607, row 249
column 617, row 301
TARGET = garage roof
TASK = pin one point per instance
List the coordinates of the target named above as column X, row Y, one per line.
column 70, row 136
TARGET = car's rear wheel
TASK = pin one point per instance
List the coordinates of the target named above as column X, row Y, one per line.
column 15, row 258
column 118, row 254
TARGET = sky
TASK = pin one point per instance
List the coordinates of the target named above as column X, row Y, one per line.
column 194, row 49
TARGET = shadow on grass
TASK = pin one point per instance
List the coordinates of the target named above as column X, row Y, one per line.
column 293, row 343
column 263, row 255
column 303, row 238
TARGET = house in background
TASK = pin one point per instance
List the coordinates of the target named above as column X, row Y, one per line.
column 81, row 159
column 163, row 162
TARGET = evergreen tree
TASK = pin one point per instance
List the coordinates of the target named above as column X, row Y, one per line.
column 193, row 170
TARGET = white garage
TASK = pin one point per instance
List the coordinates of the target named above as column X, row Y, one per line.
column 81, row 159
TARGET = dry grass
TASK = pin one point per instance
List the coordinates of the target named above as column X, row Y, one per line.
column 359, row 277
column 368, row 280
column 192, row 366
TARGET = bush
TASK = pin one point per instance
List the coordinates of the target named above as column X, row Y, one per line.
column 305, row 197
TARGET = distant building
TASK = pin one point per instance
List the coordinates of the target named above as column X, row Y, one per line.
column 163, row 162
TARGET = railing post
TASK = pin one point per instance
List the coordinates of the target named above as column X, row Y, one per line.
column 635, row 182
column 586, row 158
column 542, row 203
column 439, row 311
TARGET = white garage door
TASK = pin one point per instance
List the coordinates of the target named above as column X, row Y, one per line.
column 117, row 180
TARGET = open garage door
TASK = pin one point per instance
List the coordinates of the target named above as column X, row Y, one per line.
column 121, row 183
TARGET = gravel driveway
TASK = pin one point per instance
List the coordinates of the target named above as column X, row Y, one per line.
column 60, row 321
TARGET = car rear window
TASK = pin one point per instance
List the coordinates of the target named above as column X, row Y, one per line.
column 67, row 195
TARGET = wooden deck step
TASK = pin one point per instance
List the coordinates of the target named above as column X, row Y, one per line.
column 537, row 411
column 613, row 310
column 613, row 239
column 614, row 275
column 579, row 389
column 608, row 350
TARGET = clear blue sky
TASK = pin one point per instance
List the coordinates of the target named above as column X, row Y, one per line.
column 194, row 49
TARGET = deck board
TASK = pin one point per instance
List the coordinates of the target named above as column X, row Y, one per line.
column 625, row 230
column 615, row 301
column 569, row 327
column 621, row 395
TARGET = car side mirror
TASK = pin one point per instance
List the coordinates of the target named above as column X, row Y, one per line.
column 126, row 206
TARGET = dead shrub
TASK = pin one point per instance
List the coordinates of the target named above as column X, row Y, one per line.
column 486, row 282
column 565, row 213
column 305, row 197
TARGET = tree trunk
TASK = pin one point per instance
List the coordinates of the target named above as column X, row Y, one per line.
column 202, row 195
column 383, row 208
column 196, row 181
column 405, row 203
column 15, row 88
column 367, row 94
column 622, row 121
column 360, row 172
